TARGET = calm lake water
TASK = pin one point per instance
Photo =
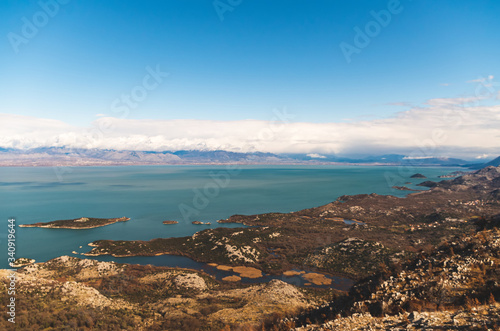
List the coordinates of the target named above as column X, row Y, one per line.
column 152, row 194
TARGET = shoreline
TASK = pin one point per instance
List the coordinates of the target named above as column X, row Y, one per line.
column 208, row 263
column 214, row 271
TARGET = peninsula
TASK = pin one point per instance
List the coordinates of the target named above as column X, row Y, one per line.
column 389, row 229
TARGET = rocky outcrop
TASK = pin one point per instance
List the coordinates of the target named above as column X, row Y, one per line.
column 191, row 280
column 78, row 269
column 276, row 296
column 352, row 254
column 479, row 318
column 21, row 262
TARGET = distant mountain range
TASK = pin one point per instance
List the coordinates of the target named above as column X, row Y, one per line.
column 494, row 163
column 384, row 159
column 61, row 156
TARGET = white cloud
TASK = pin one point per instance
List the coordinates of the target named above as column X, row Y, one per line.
column 462, row 101
column 316, row 156
column 402, row 104
column 481, row 79
column 416, row 157
column 455, row 127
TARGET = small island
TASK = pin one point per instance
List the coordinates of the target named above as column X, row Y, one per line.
column 404, row 188
column 170, row 222
column 418, row 176
column 78, row 223
column 200, row 223
column 455, row 174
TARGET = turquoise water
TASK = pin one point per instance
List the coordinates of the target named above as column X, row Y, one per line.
column 152, row 194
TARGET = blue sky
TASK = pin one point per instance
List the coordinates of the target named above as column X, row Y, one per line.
column 263, row 55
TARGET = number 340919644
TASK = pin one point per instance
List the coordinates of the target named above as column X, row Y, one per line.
column 11, row 241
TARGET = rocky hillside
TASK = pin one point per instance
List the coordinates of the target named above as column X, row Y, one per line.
column 455, row 287
column 74, row 294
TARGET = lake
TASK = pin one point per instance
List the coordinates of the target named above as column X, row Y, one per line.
column 152, row 194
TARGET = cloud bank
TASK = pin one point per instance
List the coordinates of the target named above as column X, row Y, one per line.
column 442, row 127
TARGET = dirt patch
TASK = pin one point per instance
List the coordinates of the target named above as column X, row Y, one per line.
column 336, row 219
column 317, row 279
column 231, row 279
column 248, row 272
column 224, row 267
column 290, row 273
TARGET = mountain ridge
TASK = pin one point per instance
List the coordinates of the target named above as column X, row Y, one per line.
column 494, row 163
column 63, row 156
